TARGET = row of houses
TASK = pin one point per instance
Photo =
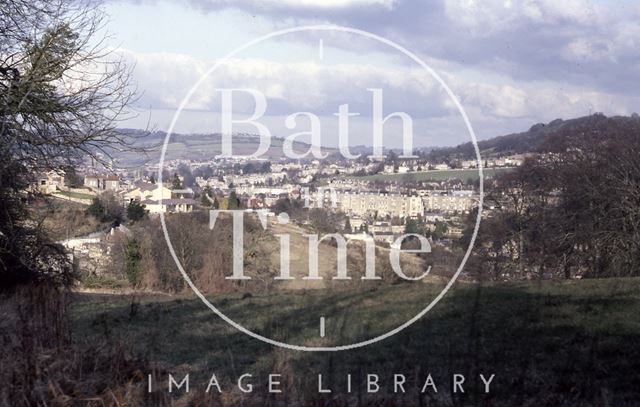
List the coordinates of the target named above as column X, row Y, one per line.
column 381, row 204
column 52, row 181
column 403, row 206
column 108, row 182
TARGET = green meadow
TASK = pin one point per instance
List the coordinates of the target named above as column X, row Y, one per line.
column 548, row 343
column 435, row 175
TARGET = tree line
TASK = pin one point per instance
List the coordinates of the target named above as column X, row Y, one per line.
column 571, row 210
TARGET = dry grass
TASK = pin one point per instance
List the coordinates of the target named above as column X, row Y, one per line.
column 42, row 366
column 64, row 220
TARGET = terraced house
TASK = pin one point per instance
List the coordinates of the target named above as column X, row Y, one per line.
column 380, row 204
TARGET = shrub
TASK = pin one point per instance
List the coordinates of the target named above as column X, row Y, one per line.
column 135, row 211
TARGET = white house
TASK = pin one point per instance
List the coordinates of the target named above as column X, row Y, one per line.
column 178, row 205
column 161, row 199
column 50, row 182
column 142, row 191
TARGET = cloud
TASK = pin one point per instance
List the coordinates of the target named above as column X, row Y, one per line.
column 289, row 87
column 309, row 4
column 581, row 42
column 493, row 107
column 492, row 16
column 511, row 63
column 285, row 8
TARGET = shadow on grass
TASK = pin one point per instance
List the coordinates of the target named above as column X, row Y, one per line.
column 547, row 344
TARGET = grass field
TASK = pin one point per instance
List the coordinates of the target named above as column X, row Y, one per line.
column 549, row 343
column 435, row 175
column 77, row 195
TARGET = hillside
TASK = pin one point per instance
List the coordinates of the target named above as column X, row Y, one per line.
column 538, row 137
column 206, row 146
column 195, row 146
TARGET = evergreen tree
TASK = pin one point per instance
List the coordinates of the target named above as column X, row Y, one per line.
column 135, row 211
column 132, row 262
column 96, row 209
column 205, row 199
column 175, row 182
column 234, row 202
column 410, row 226
column 347, row 226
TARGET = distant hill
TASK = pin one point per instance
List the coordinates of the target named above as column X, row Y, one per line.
column 196, row 147
column 534, row 139
column 207, row 146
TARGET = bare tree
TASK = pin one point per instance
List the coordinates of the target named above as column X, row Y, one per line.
column 62, row 93
column 573, row 210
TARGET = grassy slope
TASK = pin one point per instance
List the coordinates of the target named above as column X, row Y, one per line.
column 77, row 195
column 65, row 219
column 572, row 342
column 202, row 147
column 435, row 175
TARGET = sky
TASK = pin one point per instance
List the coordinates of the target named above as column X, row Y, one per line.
column 510, row 64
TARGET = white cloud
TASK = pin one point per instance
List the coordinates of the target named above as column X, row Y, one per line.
column 166, row 79
column 541, row 102
column 307, row 86
column 487, row 17
column 513, row 63
column 294, row 4
column 325, row 4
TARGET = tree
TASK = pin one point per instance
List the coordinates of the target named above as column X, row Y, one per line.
column 71, row 177
column 135, row 211
column 410, row 226
column 233, row 201
column 440, row 230
column 325, row 221
column 96, row 209
column 188, row 180
column 204, row 199
column 597, row 195
column 282, row 205
column 392, row 158
column 106, row 208
column 175, row 182
column 132, row 262
column 347, row 226
column 60, row 97
column 205, row 172
column 572, row 210
column 293, row 207
column 114, row 209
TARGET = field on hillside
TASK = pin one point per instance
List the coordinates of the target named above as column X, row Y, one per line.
column 202, row 147
column 435, row 175
column 78, row 195
column 548, row 343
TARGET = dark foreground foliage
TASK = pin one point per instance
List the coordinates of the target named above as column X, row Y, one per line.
column 572, row 209
column 43, row 365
